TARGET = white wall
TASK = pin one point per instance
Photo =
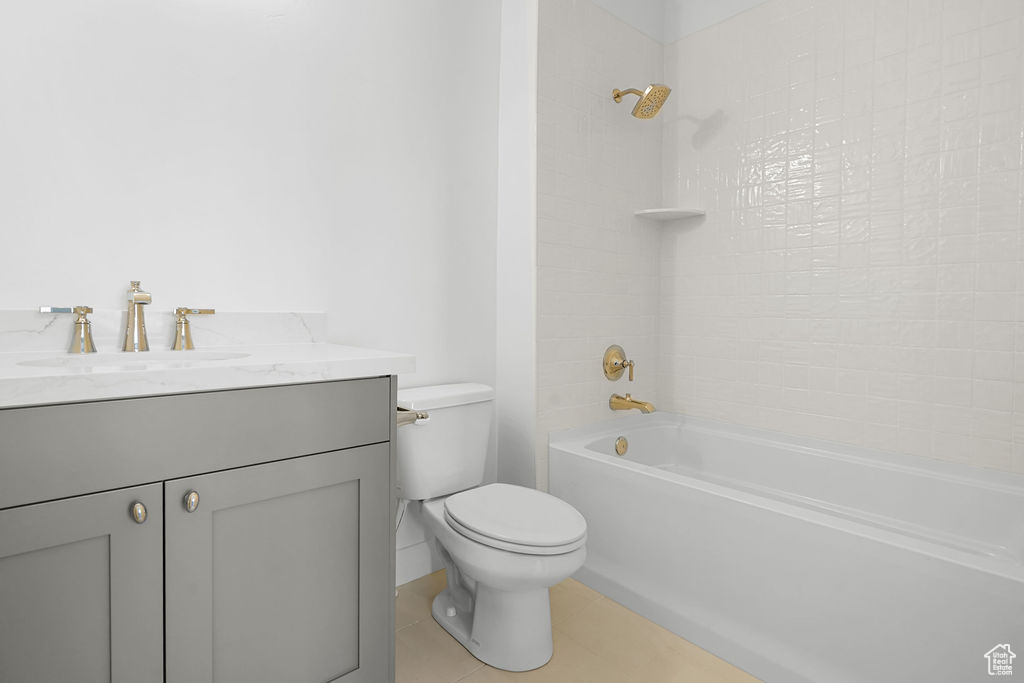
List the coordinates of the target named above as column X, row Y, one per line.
column 183, row 144
column 516, row 381
column 596, row 263
column 414, row 190
column 860, row 273
column 666, row 21
column 683, row 17
column 413, row 236
column 259, row 156
column 646, row 16
column 278, row 155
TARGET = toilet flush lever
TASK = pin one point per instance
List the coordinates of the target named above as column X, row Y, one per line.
column 404, row 416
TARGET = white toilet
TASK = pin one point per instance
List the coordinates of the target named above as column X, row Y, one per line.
column 503, row 546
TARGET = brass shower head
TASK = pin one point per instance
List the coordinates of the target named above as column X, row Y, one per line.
column 649, row 104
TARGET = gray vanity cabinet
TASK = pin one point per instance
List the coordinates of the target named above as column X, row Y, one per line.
column 80, row 590
column 281, row 571
column 266, row 577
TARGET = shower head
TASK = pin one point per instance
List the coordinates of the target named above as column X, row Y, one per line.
column 649, row 104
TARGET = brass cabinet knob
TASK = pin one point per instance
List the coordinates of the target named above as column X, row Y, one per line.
column 191, row 501
column 138, row 512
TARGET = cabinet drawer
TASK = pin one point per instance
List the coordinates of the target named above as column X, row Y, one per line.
column 50, row 452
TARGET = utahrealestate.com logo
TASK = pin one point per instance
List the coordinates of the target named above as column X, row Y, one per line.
column 1000, row 660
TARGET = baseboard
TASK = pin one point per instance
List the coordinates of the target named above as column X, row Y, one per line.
column 414, row 561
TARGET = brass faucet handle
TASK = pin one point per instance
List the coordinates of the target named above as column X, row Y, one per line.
column 81, row 342
column 182, row 312
column 79, row 311
column 183, row 330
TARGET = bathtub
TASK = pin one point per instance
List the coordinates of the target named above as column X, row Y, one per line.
column 797, row 559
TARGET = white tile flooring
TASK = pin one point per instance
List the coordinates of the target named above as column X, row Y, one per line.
column 596, row 641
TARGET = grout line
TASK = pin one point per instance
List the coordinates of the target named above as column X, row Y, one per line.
column 462, row 678
column 402, row 628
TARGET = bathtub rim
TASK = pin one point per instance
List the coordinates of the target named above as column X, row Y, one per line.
column 576, row 440
column 1002, row 480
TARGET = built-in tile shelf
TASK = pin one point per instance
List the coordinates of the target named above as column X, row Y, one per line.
column 663, row 215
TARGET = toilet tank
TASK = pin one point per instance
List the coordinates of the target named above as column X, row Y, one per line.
column 447, row 452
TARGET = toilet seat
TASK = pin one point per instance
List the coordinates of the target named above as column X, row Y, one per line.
column 516, row 519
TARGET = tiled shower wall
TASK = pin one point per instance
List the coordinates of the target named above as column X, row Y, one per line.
column 860, row 272
column 597, row 266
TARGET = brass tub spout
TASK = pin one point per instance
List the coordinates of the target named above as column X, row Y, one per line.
column 627, row 402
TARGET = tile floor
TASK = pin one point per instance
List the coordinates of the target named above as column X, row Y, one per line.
column 597, row 640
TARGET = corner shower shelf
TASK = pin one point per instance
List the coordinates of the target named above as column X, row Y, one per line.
column 663, row 215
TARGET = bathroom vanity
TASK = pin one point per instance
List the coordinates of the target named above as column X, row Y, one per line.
column 171, row 528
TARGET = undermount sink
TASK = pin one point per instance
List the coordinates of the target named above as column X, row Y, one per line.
column 145, row 359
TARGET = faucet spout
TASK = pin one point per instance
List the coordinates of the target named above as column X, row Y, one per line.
column 135, row 332
column 627, row 402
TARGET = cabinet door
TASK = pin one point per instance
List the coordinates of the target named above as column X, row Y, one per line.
column 281, row 572
column 81, row 590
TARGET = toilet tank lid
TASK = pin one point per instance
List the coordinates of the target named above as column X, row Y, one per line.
column 443, row 396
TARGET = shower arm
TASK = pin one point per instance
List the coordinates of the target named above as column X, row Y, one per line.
column 617, row 94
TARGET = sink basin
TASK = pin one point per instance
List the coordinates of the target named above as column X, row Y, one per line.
column 128, row 360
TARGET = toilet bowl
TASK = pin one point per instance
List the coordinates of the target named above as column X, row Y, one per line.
column 502, row 546
column 496, row 603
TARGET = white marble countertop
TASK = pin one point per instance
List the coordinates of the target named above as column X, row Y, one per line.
column 41, row 378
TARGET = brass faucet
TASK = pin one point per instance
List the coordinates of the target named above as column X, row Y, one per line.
column 627, row 402
column 135, row 332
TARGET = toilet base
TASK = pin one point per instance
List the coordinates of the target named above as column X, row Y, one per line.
column 510, row 631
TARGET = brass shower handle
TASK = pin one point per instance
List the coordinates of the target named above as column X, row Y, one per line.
column 615, row 363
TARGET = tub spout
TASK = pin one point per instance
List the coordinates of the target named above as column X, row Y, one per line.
column 627, row 402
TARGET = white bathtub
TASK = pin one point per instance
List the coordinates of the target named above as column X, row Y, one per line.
column 797, row 559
